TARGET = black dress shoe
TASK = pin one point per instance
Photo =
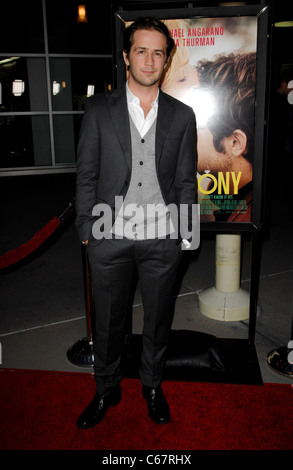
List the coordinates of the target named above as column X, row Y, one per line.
column 157, row 405
column 96, row 410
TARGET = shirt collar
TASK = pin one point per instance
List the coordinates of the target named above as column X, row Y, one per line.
column 131, row 98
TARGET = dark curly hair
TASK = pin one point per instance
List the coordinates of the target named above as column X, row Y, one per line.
column 231, row 80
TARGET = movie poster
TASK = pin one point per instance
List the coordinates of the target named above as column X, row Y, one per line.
column 213, row 69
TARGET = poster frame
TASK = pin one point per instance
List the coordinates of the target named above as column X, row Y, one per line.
column 261, row 12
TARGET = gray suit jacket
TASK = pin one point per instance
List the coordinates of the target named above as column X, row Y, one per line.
column 104, row 155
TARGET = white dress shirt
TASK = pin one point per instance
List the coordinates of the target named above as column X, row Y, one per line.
column 142, row 123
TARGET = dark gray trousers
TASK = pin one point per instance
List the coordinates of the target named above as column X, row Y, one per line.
column 112, row 265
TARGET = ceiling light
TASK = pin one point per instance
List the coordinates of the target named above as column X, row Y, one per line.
column 81, row 14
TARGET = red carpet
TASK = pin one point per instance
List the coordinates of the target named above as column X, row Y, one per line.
column 39, row 411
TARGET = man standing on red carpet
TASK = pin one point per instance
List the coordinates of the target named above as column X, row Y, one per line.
column 137, row 152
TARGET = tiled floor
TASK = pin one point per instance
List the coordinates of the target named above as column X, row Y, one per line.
column 42, row 305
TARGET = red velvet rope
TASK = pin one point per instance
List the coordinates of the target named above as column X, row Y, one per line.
column 11, row 257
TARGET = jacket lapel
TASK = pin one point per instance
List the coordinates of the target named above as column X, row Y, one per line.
column 120, row 118
column 165, row 117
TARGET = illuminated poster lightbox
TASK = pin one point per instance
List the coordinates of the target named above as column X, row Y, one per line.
column 218, row 68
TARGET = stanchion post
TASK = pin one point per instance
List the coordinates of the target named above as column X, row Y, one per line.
column 88, row 294
column 82, row 352
column 281, row 360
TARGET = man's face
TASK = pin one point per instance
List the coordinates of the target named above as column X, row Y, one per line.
column 147, row 57
column 208, row 157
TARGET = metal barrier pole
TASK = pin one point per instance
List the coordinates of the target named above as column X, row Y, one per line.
column 82, row 352
column 281, row 359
